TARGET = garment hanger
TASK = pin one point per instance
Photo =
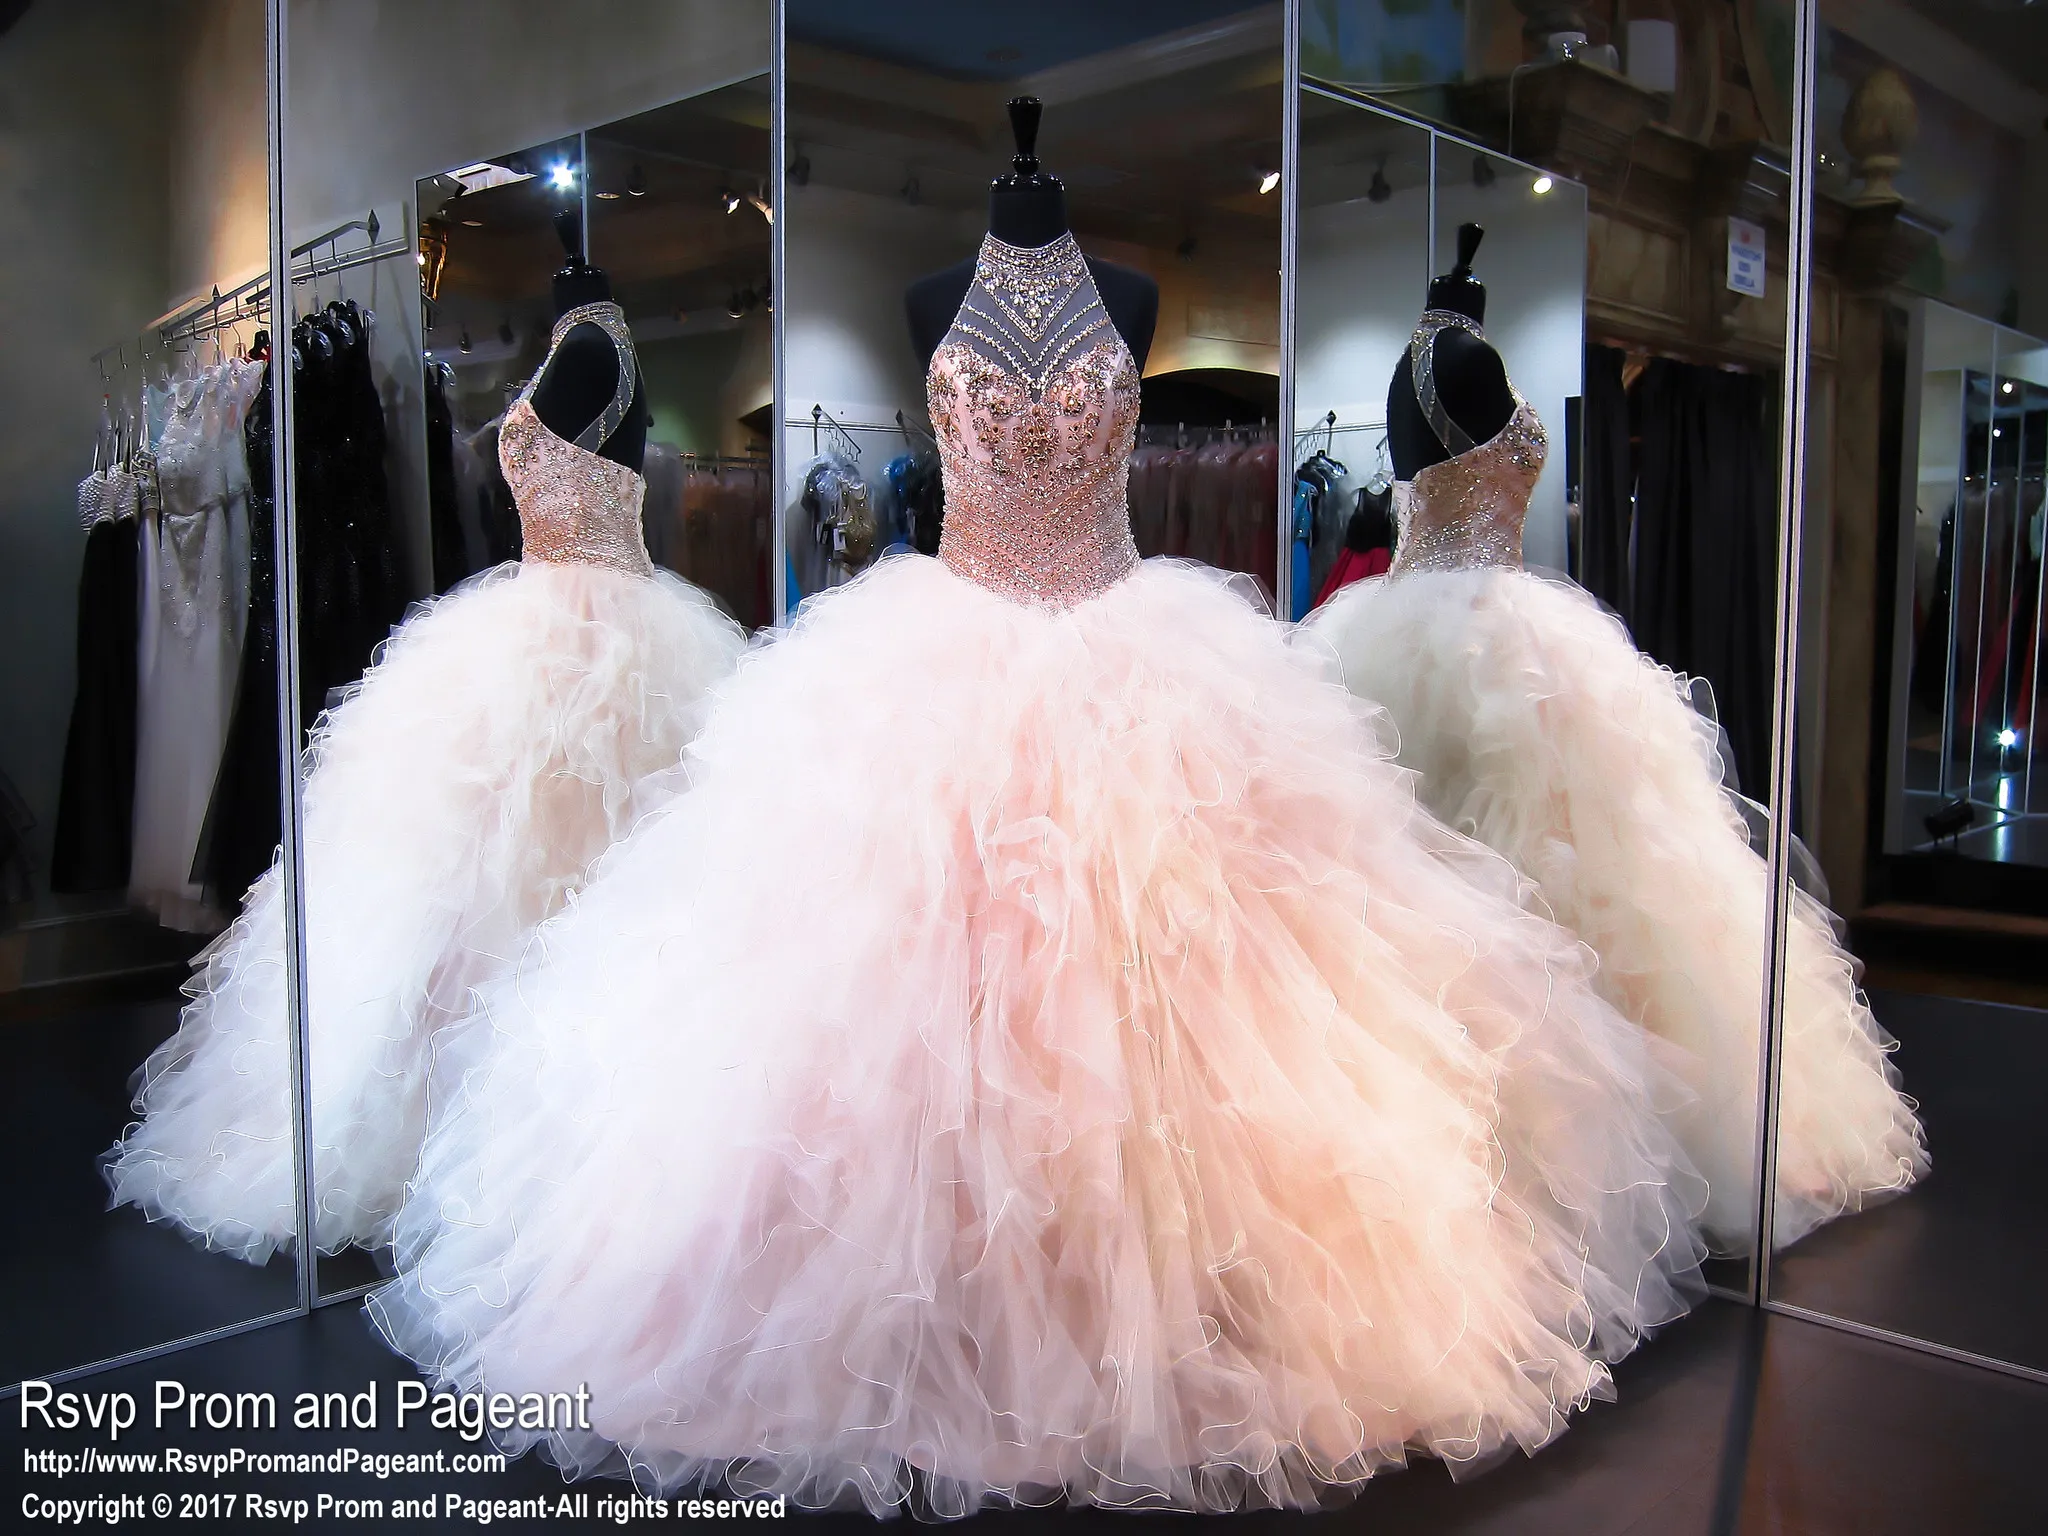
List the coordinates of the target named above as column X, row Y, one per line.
column 1381, row 480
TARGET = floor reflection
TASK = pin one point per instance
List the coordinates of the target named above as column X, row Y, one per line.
column 80, row 1283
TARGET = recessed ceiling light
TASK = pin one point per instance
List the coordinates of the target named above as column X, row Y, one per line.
column 472, row 223
column 1268, row 180
column 562, row 177
column 1541, row 185
column 609, row 197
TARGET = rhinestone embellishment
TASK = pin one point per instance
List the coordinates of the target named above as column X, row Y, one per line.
column 1467, row 511
column 1034, row 401
column 575, row 508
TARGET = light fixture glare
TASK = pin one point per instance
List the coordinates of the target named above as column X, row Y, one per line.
column 1268, row 180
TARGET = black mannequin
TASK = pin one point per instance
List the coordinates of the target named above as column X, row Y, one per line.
column 578, row 383
column 1029, row 208
column 1471, row 380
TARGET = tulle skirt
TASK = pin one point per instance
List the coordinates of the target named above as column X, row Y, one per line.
column 1537, row 727
column 1046, row 1050
column 504, row 739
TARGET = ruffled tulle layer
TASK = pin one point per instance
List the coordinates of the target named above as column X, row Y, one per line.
column 1045, row 1050
column 500, row 744
column 1538, row 728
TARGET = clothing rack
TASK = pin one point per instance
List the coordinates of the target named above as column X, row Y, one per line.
column 723, row 460
column 821, row 416
column 248, row 301
column 1185, row 436
column 906, row 427
column 1329, row 429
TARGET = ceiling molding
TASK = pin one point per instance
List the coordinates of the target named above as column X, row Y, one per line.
column 1234, row 37
column 1931, row 53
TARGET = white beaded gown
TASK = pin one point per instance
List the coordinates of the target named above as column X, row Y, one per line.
column 1043, row 1052
column 509, row 732
column 1536, row 726
column 194, row 603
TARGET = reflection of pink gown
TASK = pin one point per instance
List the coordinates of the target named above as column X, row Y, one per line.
column 1044, row 1047
column 501, row 743
column 1537, row 727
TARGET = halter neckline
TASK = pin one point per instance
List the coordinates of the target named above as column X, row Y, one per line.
column 609, row 318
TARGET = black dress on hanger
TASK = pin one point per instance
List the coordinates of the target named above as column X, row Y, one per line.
column 96, row 804
column 244, row 820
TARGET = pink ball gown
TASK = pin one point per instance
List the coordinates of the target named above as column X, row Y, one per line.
column 1538, row 727
column 508, row 734
column 1044, row 1053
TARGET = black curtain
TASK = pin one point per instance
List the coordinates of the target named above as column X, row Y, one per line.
column 1706, row 545
column 1607, row 484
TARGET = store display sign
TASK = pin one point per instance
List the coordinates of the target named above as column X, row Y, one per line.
column 1746, row 257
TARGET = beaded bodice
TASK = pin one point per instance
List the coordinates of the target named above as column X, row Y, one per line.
column 1034, row 401
column 576, row 507
column 1466, row 511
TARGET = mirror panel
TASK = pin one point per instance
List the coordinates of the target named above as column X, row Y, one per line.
column 136, row 760
column 1166, row 133
column 1642, row 629
column 1918, row 804
column 520, row 705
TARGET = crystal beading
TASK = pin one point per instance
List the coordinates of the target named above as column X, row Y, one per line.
column 1467, row 511
column 575, row 508
column 1034, row 401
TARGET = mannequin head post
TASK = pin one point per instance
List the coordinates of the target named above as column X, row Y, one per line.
column 1458, row 290
column 577, row 282
column 1027, row 207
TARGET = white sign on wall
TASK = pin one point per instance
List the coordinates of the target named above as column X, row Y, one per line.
column 1746, row 257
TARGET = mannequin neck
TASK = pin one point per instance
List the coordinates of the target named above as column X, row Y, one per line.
column 577, row 285
column 1461, row 295
column 1027, row 213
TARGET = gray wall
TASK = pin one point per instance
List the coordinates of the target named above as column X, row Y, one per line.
column 83, row 200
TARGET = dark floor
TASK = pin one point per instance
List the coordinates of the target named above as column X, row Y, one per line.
column 1960, row 1259
column 78, row 1282
column 1728, row 1422
column 1731, row 1422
